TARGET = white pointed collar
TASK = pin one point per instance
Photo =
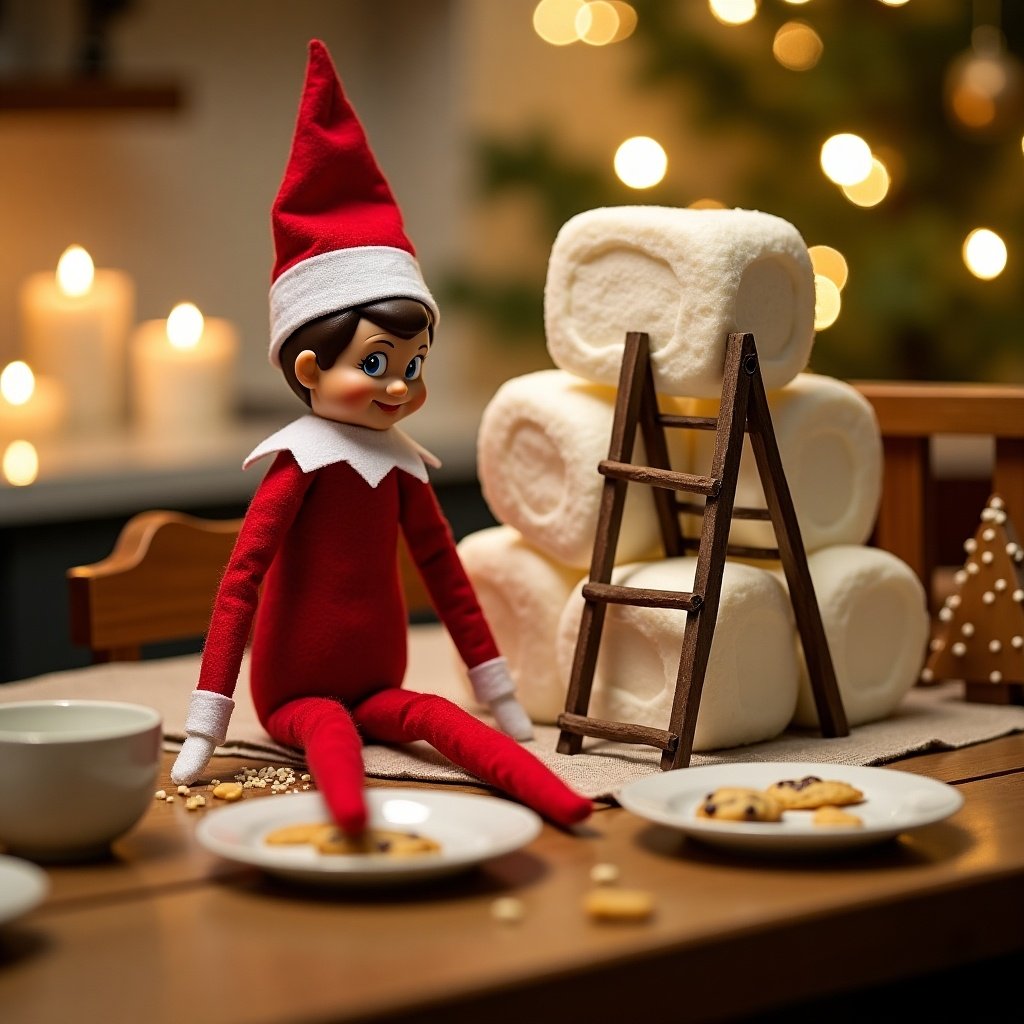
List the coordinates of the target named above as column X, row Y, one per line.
column 316, row 442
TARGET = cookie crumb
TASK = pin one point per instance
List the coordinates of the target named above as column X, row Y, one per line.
column 508, row 910
column 604, row 874
column 625, row 905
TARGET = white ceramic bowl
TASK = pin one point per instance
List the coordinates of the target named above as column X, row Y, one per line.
column 77, row 774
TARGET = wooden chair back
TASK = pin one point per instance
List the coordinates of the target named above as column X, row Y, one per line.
column 911, row 416
column 158, row 584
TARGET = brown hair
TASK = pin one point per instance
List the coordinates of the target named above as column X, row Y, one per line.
column 328, row 336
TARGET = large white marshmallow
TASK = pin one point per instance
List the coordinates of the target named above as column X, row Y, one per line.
column 688, row 278
column 750, row 687
column 541, row 438
column 831, row 450
column 875, row 616
column 522, row 594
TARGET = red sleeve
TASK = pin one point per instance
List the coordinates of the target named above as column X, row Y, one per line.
column 432, row 547
column 271, row 513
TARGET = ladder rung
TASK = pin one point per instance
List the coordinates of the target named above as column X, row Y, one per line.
column 738, row 551
column 610, row 593
column 621, row 732
column 737, row 513
column 666, row 478
column 668, row 419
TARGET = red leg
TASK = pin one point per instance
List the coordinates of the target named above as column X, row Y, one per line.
column 401, row 716
column 334, row 753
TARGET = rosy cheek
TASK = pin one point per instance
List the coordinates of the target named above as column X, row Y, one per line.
column 354, row 387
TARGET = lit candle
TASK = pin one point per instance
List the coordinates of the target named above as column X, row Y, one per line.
column 75, row 325
column 31, row 408
column 183, row 373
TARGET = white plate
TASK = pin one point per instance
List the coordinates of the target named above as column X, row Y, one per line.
column 22, row 887
column 469, row 829
column 894, row 802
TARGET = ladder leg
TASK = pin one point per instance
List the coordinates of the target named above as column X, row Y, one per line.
column 820, row 670
column 699, row 631
column 635, row 366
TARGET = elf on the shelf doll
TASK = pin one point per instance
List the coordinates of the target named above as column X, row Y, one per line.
column 352, row 324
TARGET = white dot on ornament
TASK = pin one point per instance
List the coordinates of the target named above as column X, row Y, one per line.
column 927, row 675
column 1000, row 585
column 959, row 649
column 970, row 545
column 995, row 676
column 1018, row 595
column 1011, row 549
column 988, row 597
column 945, row 614
column 953, row 600
column 988, row 515
column 973, row 568
column 996, row 502
column 1017, row 642
column 960, row 577
column 1000, row 517
column 988, row 534
column 936, row 645
column 967, row 629
column 986, row 557
column 995, row 646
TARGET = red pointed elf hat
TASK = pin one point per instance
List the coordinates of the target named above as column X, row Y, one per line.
column 338, row 234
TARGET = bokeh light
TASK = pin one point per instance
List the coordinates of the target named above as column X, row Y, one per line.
column 597, row 23
column 555, row 21
column 797, row 46
column 20, row 464
column 873, row 189
column 733, row 12
column 17, row 383
column 830, row 263
column 984, row 253
column 640, row 162
column 846, row 158
column 827, row 302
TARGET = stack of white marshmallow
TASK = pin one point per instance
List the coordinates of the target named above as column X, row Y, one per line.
column 688, row 278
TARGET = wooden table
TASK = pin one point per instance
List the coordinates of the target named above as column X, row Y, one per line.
column 165, row 932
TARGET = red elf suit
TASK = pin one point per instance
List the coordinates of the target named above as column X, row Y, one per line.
column 321, row 534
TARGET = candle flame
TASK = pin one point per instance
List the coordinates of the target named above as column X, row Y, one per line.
column 185, row 326
column 75, row 271
column 17, row 383
column 20, row 464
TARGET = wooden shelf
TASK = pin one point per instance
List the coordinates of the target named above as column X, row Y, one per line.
column 64, row 95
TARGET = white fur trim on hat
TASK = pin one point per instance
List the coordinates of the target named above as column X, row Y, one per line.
column 336, row 280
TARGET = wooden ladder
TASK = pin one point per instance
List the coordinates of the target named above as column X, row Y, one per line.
column 743, row 409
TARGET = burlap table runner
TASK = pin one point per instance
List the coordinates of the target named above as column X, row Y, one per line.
column 932, row 718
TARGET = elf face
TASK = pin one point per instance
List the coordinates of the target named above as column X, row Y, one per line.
column 375, row 382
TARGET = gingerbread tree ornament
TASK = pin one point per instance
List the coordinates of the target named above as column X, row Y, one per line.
column 981, row 626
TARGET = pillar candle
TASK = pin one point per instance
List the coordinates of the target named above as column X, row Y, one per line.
column 75, row 326
column 183, row 373
column 31, row 408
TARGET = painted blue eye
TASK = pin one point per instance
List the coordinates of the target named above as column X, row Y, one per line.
column 415, row 368
column 375, row 364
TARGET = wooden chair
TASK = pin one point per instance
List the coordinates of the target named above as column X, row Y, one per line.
column 911, row 416
column 158, row 584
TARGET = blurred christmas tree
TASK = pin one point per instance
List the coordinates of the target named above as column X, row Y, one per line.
column 934, row 88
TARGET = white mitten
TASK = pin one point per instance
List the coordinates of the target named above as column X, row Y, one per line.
column 206, row 726
column 512, row 718
column 492, row 685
